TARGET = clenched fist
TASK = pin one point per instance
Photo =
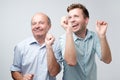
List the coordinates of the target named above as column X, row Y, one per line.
column 49, row 40
column 65, row 24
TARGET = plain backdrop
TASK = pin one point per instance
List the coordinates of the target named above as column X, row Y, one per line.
column 15, row 17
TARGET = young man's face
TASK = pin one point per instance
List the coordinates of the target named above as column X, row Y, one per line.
column 40, row 25
column 77, row 20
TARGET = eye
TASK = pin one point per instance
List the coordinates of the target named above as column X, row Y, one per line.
column 69, row 17
column 41, row 22
column 76, row 16
column 33, row 23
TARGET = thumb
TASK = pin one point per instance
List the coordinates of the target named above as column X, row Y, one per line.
column 31, row 75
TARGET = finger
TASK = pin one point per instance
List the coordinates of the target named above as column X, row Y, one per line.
column 97, row 23
column 52, row 38
column 31, row 75
column 47, row 36
column 28, row 76
column 64, row 20
column 105, row 23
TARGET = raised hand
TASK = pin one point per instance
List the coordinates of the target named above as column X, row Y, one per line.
column 101, row 28
column 49, row 40
column 65, row 24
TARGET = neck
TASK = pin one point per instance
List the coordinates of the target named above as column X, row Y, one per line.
column 40, row 39
column 82, row 33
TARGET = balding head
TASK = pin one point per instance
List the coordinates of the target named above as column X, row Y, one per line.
column 42, row 14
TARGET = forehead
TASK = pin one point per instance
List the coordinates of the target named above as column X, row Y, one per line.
column 76, row 11
column 39, row 17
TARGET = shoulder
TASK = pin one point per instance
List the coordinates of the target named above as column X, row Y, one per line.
column 91, row 34
column 94, row 37
column 25, row 42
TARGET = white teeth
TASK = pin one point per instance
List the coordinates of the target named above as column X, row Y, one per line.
column 74, row 25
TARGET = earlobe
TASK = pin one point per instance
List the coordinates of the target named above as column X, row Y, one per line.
column 49, row 26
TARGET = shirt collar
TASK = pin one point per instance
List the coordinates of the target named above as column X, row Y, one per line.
column 34, row 41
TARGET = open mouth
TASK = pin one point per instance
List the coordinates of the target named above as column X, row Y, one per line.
column 75, row 25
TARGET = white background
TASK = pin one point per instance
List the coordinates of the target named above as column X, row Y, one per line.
column 15, row 17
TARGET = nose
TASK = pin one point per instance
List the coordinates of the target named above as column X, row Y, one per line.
column 72, row 20
column 37, row 25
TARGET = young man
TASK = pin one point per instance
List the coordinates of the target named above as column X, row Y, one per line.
column 38, row 57
column 79, row 45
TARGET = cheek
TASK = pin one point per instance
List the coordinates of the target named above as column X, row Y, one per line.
column 47, row 28
column 82, row 23
column 32, row 28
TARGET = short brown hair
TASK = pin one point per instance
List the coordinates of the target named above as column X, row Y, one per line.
column 80, row 6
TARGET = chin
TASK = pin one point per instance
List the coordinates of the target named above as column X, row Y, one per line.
column 38, row 34
column 75, row 30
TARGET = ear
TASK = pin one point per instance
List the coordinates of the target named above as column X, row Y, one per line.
column 86, row 20
column 49, row 26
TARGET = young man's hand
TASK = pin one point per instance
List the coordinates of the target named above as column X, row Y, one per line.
column 101, row 28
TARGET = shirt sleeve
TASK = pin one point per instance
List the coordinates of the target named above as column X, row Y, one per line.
column 16, row 66
column 97, row 46
column 57, row 52
column 62, row 40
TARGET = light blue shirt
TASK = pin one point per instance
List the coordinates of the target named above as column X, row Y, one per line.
column 31, row 58
column 86, row 65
